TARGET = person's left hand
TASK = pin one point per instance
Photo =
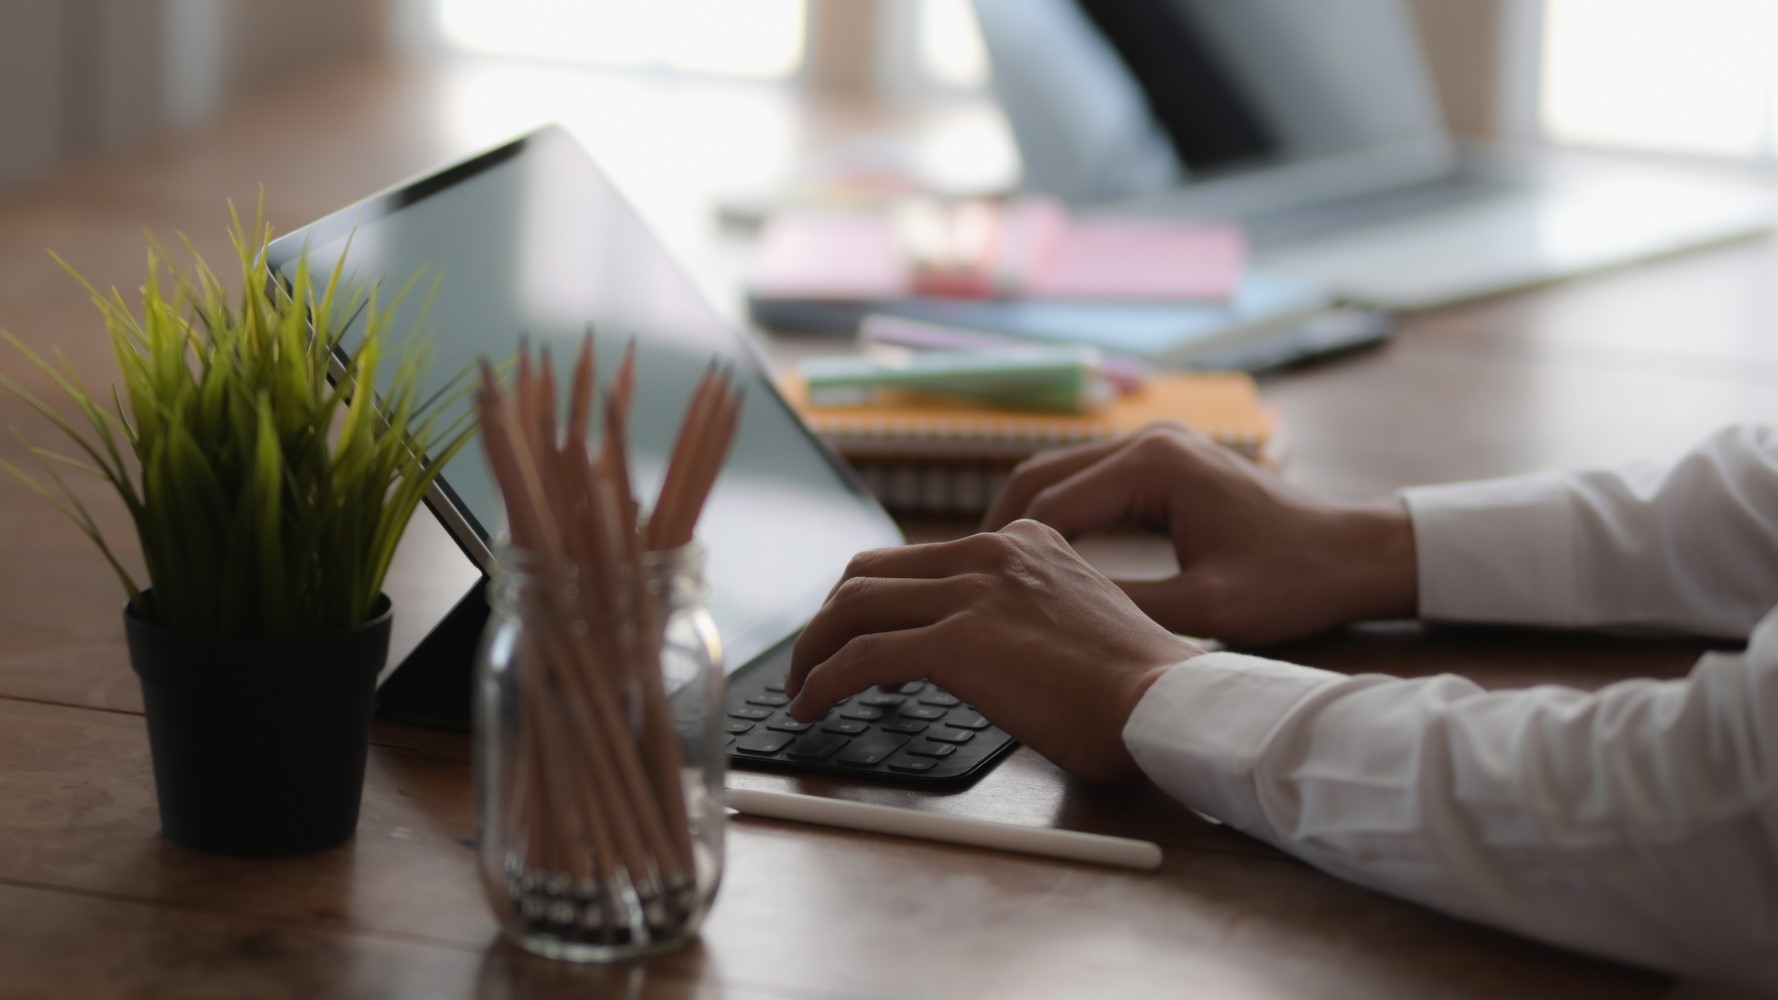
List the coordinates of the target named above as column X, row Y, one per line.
column 1013, row 622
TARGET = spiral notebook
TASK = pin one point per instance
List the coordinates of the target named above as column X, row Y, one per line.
column 921, row 453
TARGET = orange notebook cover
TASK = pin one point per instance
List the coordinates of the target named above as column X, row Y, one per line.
column 907, row 426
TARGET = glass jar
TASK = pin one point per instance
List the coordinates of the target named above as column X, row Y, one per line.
column 600, row 754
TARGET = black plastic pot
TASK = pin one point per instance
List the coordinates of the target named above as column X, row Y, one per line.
column 259, row 741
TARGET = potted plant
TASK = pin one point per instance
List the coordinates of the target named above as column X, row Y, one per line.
column 267, row 500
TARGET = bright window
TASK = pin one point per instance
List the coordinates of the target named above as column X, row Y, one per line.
column 951, row 50
column 747, row 38
column 1683, row 76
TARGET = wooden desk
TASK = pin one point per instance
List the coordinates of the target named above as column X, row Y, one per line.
column 93, row 902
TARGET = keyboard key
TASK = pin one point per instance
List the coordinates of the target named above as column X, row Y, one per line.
column 766, row 742
column 775, row 686
column 943, row 699
column 927, row 748
column 908, row 726
column 749, row 712
column 847, row 726
column 877, row 699
column 865, row 712
column 951, row 735
column 788, row 725
column 966, row 719
column 921, row 712
column 914, row 764
column 815, row 746
column 913, row 687
column 769, row 699
column 738, row 726
column 871, row 749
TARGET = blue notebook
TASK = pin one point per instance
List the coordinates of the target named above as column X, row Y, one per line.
column 1170, row 334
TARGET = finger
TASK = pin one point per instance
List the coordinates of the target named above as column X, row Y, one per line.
column 1139, row 482
column 880, row 658
column 866, row 604
column 1099, row 495
column 909, row 562
column 917, row 562
column 1038, row 473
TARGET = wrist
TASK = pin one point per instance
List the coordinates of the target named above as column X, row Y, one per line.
column 1379, row 547
column 1134, row 690
column 1134, row 684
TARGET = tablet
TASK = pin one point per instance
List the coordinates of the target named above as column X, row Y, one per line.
column 530, row 238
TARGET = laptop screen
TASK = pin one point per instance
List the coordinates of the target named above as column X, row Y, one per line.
column 1111, row 100
column 531, row 238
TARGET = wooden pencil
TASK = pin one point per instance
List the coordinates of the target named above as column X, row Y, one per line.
column 659, row 738
column 590, row 800
column 534, row 528
column 587, row 694
column 603, row 697
column 691, row 429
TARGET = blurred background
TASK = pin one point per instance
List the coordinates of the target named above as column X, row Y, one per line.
column 710, row 109
column 680, row 100
column 88, row 77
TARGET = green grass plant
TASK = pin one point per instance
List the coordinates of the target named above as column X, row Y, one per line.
column 267, row 497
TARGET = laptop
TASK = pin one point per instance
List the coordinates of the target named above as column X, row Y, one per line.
column 1317, row 126
column 530, row 237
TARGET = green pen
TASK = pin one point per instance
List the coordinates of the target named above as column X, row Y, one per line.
column 1051, row 379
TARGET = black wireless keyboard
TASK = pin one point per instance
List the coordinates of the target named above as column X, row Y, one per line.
column 920, row 733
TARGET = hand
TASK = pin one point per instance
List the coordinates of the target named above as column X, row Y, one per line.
column 1259, row 561
column 1013, row 622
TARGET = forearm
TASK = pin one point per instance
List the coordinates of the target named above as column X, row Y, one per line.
column 1688, row 545
column 1620, row 823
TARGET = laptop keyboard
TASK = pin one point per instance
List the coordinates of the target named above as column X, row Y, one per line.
column 918, row 732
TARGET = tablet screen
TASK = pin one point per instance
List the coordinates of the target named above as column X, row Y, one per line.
column 532, row 238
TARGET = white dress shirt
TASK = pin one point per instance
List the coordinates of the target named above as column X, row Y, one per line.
column 1639, row 822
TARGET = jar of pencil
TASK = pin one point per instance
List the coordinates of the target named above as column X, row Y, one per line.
column 600, row 785
column 599, row 705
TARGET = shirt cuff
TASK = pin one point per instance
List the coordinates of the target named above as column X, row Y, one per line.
column 1201, row 730
column 1500, row 551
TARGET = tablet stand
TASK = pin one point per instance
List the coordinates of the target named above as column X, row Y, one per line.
column 434, row 686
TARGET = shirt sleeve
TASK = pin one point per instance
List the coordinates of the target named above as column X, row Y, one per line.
column 1688, row 545
column 1639, row 822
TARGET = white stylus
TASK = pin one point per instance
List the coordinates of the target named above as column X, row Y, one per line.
column 1067, row 844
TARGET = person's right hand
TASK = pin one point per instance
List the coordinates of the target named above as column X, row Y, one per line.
column 1259, row 560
